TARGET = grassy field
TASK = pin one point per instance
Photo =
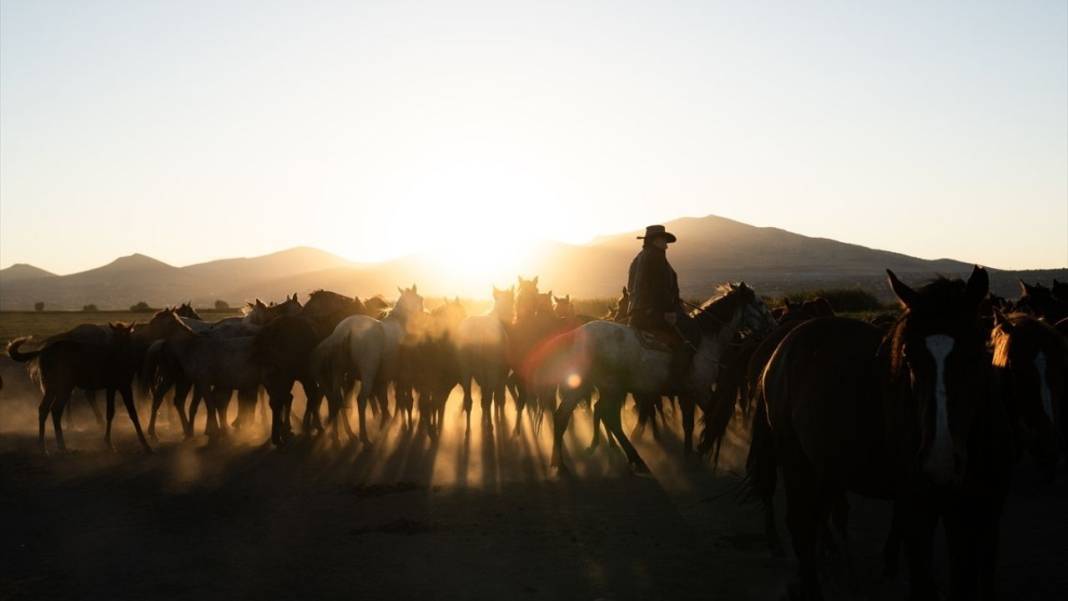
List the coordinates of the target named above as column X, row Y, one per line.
column 46, row 323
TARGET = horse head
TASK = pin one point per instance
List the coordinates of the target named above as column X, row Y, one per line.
column 938, row 356
column 563, row 307
column 504, row 303
column 1030, row 363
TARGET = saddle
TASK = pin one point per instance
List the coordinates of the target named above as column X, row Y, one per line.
column 659, row 340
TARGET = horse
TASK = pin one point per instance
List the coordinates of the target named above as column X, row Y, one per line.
column 1031, row 371
column 1040, row 301
column 482, row 346
column 353, row 351
column 215, row 364
column 186, row 310
column 612, row 358
column 88, row 357
column 906, row 416
column 283, row 349
column 536, row 322
column 619, row 312
column 403, row 326
column 1060, row 291
column 740, row 381
column 161, row 370
column 437, row 364
column 326, row 309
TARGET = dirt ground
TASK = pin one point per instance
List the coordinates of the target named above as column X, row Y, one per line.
column 479, row 516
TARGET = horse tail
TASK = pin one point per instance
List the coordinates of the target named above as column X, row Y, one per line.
column 150, row 367
column 761, row 466
column 716, row 418
column 22, row 357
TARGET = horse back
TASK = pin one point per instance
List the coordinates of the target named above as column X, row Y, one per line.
column 821, row 394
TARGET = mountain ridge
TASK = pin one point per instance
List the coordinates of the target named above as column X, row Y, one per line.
column 711, row 250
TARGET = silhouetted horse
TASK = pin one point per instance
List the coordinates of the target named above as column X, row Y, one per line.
column 437, row 364
column 1041, row 302
column 403, row 326
column 88, row 357
column 611, row 358
column 908, row 416
column 1031, row 368
column 482, row 345
column 283, row 350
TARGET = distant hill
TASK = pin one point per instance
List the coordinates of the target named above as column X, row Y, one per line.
column 711, row 250
column 22, row 271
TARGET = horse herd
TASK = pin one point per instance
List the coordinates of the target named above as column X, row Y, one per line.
column 929, row 409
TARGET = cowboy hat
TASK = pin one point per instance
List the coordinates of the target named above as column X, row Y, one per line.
column 657, row 231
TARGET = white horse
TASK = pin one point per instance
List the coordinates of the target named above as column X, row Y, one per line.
column 355, row 349
column 482, row 346
column 610, row 357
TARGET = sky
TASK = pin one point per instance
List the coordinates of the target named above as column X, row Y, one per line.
column 190, row 131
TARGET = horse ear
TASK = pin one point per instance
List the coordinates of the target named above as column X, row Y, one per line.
column 568, row 297
column 1024, row 288
column 414, row 289
column 295, row 297
column 400, row 290
column 534, row 281
column 978, row 285
column 906, row 295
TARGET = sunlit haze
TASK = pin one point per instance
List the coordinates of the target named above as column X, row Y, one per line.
column 193, row 131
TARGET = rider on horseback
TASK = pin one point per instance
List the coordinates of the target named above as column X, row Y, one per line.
column 655, row 304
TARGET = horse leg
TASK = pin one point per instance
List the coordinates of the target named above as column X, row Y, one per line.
column 157, row 399
column 43, row 409
column 131, row 410
column 561, row 417
column 919, row 526
column 521, row 396
column 181, row 390
column 598, row 418
column 90, row 398
column 687, row 406
column 892, row 547
column 806, row 517
column 110, row 396
column 465, row 384
column 361, row 407
column 613, row 420
column 57, row 416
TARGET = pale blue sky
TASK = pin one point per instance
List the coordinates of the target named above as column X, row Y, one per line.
column 195, row 130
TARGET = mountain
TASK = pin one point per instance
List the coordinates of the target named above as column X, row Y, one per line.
column 711, row 250
column 23, row 271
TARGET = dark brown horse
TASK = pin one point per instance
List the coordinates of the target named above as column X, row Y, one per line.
column 283, row 350
column 907, row 417
column 88, row 357
column 1031, row 369
column 1040, row 301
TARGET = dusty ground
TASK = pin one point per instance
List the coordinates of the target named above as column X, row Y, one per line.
column 475, row 517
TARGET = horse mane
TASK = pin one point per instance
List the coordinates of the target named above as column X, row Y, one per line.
column 720, row 307
column 1022, row 324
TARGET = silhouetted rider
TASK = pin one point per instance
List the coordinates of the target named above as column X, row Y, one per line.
column 653, row 284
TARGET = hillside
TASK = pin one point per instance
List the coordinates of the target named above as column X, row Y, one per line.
column 711, row 250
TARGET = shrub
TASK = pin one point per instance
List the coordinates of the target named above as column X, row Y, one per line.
column 221, row 305
column 38, row 306
column 90, row 308
column 141, row 307
column 843, row 300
